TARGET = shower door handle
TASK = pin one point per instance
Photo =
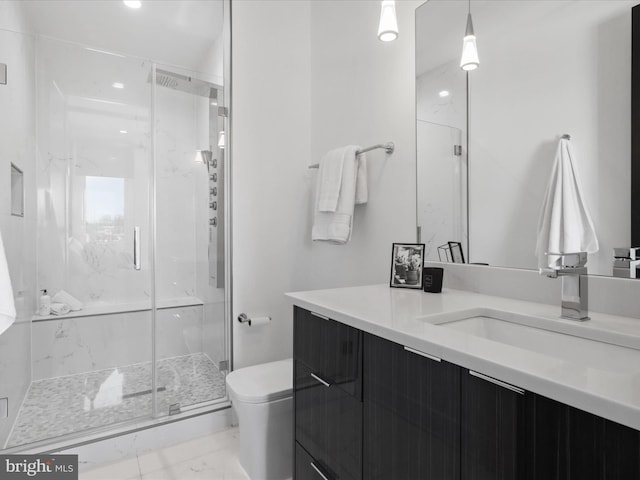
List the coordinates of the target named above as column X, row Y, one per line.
column 136, row 248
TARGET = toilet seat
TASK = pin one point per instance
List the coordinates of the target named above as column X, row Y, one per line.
column 262, row 383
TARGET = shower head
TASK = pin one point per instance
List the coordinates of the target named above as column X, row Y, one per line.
column 183, row 83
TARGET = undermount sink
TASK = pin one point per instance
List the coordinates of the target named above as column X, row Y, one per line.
column 552, row 338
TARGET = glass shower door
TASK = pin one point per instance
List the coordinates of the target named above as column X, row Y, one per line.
column 190, row 348
column 91, row 367
column 442, row 187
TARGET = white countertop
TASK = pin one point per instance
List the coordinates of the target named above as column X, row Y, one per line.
column 407, row 317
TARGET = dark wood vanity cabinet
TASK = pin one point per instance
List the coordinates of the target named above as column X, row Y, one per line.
column 369, row 408
column 411, row 414
column 493, row 429
column 568, row 443
column 327, row 398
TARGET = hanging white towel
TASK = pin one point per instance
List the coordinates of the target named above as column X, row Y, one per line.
column 335, row 226
column 7, row 307
column 330, row 180
column 564, row 225
column 362, row 188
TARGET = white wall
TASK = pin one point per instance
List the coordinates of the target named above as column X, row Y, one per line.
column 363, row 92
column 270, row 148
column 17, row 145
column 309, row 77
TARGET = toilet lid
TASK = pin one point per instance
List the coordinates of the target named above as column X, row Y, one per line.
column 262, row 383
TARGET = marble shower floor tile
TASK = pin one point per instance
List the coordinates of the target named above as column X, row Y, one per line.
column 75, row 403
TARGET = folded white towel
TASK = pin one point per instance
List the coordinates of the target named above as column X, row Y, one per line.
column 59, row 309
column 335, row 226
column 7, row 305
column 68, row 299
column 564, row 225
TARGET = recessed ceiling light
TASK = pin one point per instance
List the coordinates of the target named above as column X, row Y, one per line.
column 123, row 131
column 132, row 3
column 444, row 93
column 117, row 85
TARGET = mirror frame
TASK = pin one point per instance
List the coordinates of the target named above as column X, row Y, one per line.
column 635, row 126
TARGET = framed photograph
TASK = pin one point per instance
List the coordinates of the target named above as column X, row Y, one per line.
column 407, row 260
column 457, row 256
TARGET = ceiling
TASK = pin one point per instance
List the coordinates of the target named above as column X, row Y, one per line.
column 174, row 32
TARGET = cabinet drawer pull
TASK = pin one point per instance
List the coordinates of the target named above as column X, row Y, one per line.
column 318, row 471
column 497, row 382
column 418, row 352
column 325, row 383
column 319, row 316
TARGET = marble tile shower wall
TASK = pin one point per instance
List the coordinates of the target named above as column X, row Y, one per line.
column 17, row 146
column 181, row 181
column 98, row 267
column 88, row 171
column 83, row 344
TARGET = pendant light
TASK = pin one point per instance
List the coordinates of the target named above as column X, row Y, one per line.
column 469, row 59
column 388, row 28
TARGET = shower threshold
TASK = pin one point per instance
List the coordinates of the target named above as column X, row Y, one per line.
column 77, row 403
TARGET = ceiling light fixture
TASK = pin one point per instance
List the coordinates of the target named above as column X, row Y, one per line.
column 388, row 28
column 444, row 93
column 469, row 59
column 123, row 131
column 132, row 3
column 117, row 85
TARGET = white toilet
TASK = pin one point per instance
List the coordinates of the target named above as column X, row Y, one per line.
column 263, row 401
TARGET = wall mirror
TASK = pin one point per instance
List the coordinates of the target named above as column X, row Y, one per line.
column 546, row 69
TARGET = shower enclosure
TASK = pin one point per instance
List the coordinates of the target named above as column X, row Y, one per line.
column 130, row 206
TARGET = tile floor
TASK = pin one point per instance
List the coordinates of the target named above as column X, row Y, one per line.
column 214, row 457
column 76, row 403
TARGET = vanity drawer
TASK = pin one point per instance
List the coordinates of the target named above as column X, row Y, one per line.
column 328, row 424
column 330, row 349
column 308, row 468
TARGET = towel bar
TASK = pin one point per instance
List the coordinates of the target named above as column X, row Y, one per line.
column 389, row 147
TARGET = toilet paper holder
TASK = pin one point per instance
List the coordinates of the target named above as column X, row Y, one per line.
column 243, row 318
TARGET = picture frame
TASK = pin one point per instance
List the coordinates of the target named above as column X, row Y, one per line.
column 457, row 255
column 407, row 261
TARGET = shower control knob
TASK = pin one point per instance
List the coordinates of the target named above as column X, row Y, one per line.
column 214, row 221
column 213, row 205
column 214, row 177
column 215, row 163
column 214, row 191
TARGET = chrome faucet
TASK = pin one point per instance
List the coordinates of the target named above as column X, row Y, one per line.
column 574, row 285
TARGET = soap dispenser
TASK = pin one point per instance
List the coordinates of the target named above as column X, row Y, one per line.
column 44, row 306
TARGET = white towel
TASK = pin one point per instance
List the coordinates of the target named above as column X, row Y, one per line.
column 7, row 307
column 66, row 298
column 564, row 225
column 362, row 189
column 330, row 179
column 335, row 226
column 60, row 309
